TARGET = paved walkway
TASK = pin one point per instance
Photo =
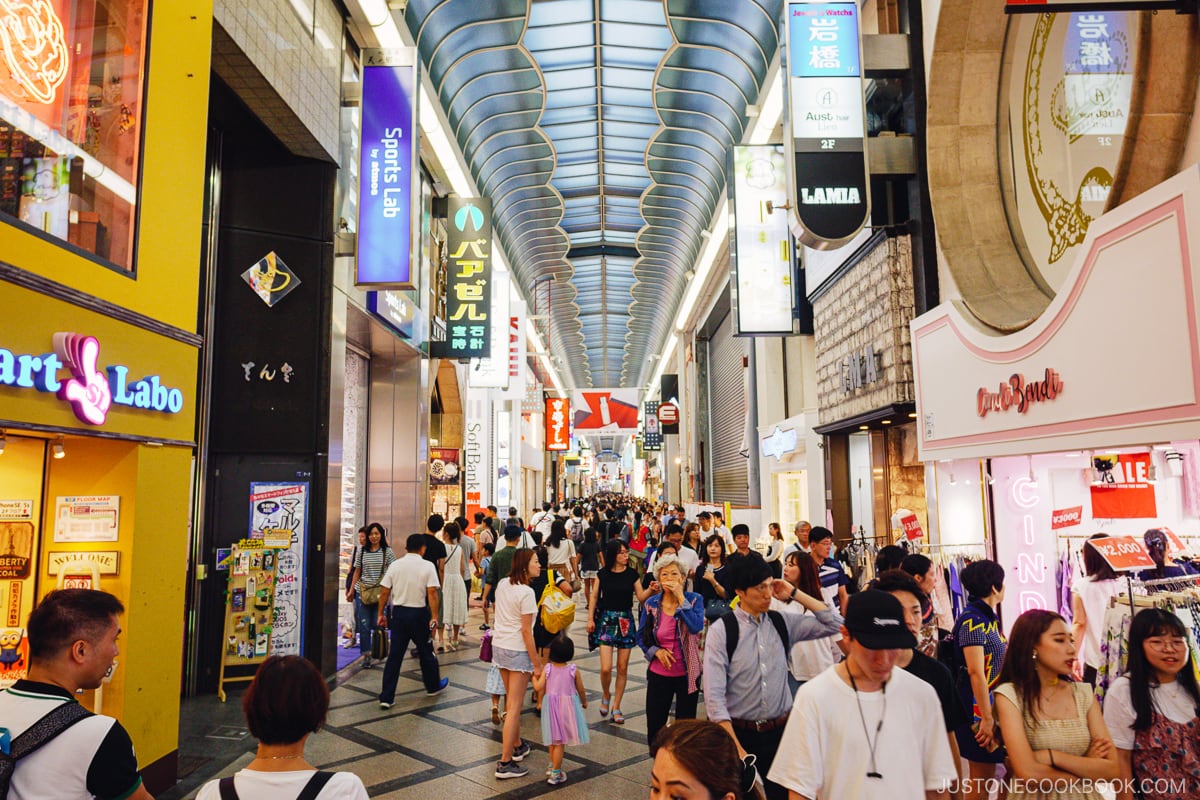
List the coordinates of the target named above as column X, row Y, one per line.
column 437, row 747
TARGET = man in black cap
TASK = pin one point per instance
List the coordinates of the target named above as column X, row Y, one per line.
column 861, row 728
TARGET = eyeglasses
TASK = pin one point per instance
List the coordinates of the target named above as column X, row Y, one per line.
column 1174, row 643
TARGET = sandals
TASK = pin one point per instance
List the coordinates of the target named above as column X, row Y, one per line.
column 495, row 715
column 617, row 717
column 604, row 708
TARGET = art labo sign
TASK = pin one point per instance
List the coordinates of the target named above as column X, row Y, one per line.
column 827, row 122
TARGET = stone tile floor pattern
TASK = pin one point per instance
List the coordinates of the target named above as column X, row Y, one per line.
column 438, row 747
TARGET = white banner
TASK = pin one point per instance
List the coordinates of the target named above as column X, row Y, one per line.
column 762, row 255
column 477, row 450
column 492, row 372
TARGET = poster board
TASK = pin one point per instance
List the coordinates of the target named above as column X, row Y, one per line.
column 18, row 544
column 248, row 637
column 1123, row 553
column 279, row 514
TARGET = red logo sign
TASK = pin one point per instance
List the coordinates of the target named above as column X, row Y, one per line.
column 1124, row 490
column 912, row 527
column 558, row 423
column 1019, row 393
column 1123, row 553
column 1066, row 517
column 668, row 414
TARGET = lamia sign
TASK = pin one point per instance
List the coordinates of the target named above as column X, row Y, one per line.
column 90, row 392
column 829, row 196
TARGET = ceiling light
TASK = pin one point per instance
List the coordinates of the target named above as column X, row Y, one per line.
column 864, row 427
column 885, row 422
column 59, row 448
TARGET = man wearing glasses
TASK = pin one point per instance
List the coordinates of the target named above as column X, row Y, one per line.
column 746, row 661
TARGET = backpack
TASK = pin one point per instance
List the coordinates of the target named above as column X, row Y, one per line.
column 558, row 610
column 576, row 531
column 39, row 733
column 732, row 632
column 310, row 791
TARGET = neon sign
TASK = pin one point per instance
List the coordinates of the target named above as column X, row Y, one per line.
column 34, row 47
column 90, row 392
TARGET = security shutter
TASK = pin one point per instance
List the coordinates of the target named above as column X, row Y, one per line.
column 727, row 416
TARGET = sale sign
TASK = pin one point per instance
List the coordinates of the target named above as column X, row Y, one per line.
column 1123, row 553
column 1124, row 491
column 1066, row 517
column 912, row 527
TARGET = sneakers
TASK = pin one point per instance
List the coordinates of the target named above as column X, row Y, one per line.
column 385, row 706
column 522, row 751
column 557, row 776
column 485, row 627
column 366, row 662
column 441, row 687
column 511, row 769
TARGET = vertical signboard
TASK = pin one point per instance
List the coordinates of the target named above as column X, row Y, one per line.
column 279, row 516
column 477, row 452
column 827, row 122
column 651, row 427
column 558, row 423
column 760, row 262
column 387, row 177
column 669, row 393
column 469, row 278
column 516, row 351
column 491, row 371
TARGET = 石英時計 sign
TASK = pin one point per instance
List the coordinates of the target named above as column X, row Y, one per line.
column 828, row 129
column 468, row 279
column 386, row 173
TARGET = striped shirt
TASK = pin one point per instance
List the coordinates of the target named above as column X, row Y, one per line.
column 373, row 564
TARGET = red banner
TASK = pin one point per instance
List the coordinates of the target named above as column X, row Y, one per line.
column 912, row 527
column 1123, row 553
column 1125, row 490
column 558, row 423
column 1066, row 517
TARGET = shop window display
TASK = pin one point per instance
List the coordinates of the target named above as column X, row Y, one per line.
column 71, row 97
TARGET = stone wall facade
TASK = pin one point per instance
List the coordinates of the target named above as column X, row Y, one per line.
column 866, row 311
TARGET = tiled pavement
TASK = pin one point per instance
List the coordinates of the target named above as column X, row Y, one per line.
column 436, row 747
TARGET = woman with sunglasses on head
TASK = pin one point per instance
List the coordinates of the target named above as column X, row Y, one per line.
column 1053, row 728
column 1153, row 710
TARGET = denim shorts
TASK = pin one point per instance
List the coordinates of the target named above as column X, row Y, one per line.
column 512, row 660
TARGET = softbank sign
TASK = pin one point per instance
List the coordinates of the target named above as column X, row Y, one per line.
column 90, row 392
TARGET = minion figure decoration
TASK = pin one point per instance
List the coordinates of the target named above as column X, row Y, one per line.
column 12, row 653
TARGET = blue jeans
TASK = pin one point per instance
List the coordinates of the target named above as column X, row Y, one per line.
column 409, row 625
column 365, row 617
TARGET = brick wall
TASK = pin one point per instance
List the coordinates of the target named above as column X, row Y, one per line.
column 906, row 475
column 871, row 305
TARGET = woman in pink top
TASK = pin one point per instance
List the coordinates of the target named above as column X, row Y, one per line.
column 670, row 637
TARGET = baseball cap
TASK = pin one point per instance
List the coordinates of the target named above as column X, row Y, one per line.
column 876, row 621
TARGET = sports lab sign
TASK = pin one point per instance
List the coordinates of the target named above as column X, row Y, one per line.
column 90, row 391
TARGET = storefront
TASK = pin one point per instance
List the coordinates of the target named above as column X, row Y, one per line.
column 101, row 185
column 792, row 472
column 1076, row 424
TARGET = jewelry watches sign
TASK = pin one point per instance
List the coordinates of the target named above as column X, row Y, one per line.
column 386, row 174
column 832, row 198
column 469, row 279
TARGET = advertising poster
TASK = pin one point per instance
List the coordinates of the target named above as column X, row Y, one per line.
column 1124, row 491
column 652, row 434
column 558, row 428
column 606, row 411
column 276, row 507
column 17, row 546
column 443, row 467
column 761, row 258
column 87, row 518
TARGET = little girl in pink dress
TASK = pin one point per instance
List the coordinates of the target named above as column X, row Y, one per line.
column 564, row 698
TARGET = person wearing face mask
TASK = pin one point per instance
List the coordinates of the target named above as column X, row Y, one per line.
column 1153, row 711
column 1052, row 726
column 861, row 729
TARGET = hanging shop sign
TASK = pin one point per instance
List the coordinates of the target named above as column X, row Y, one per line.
column 779, row 444
column 395, row 309
column 558, row 423
column 491, row 371
column 1123, row 489
column 87, row 518
column 516, row 351
column 1123, row 553
column 387, row 177
column 668, row 414
column 89, row 391
column 606, row 411
column 279, row 518
column 468, row 279
column 477, row 452
column 1066, row 517
column 760, row 260
column 1019, row 393
column 651, row 427
column 1026, row 551
column 271, row 279
column 832, row 193
column 668, row 392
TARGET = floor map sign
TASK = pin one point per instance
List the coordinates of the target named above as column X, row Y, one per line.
column 275, row 508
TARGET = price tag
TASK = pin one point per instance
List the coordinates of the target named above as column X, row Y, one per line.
column 1123, row 553
column 912, row 527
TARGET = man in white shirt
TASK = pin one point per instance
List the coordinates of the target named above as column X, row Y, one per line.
column 719, row 527
column 542, row 521
column 861, row 728
column 410, row 583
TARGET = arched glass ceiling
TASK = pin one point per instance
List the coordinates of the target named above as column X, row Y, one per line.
column 599, row 129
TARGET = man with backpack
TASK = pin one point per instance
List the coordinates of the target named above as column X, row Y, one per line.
column 542, row 522
column 51, row 745
column 576, row 528
column 746, row 660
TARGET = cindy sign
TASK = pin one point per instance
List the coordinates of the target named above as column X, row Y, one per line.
column 89, row 391
column 1019, row 393
column 386, row 176
column 828, row 128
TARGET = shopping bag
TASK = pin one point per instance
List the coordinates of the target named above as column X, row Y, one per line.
column 485, row 647
column 379, row 644
column 558, row 610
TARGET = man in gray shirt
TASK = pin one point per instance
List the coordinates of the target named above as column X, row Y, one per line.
column 748, row 693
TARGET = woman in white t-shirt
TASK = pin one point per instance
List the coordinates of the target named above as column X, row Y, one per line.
column 1090, row 594
column 560, row 551
column 514, row 652
column 1153, row 710
column 286, row 701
